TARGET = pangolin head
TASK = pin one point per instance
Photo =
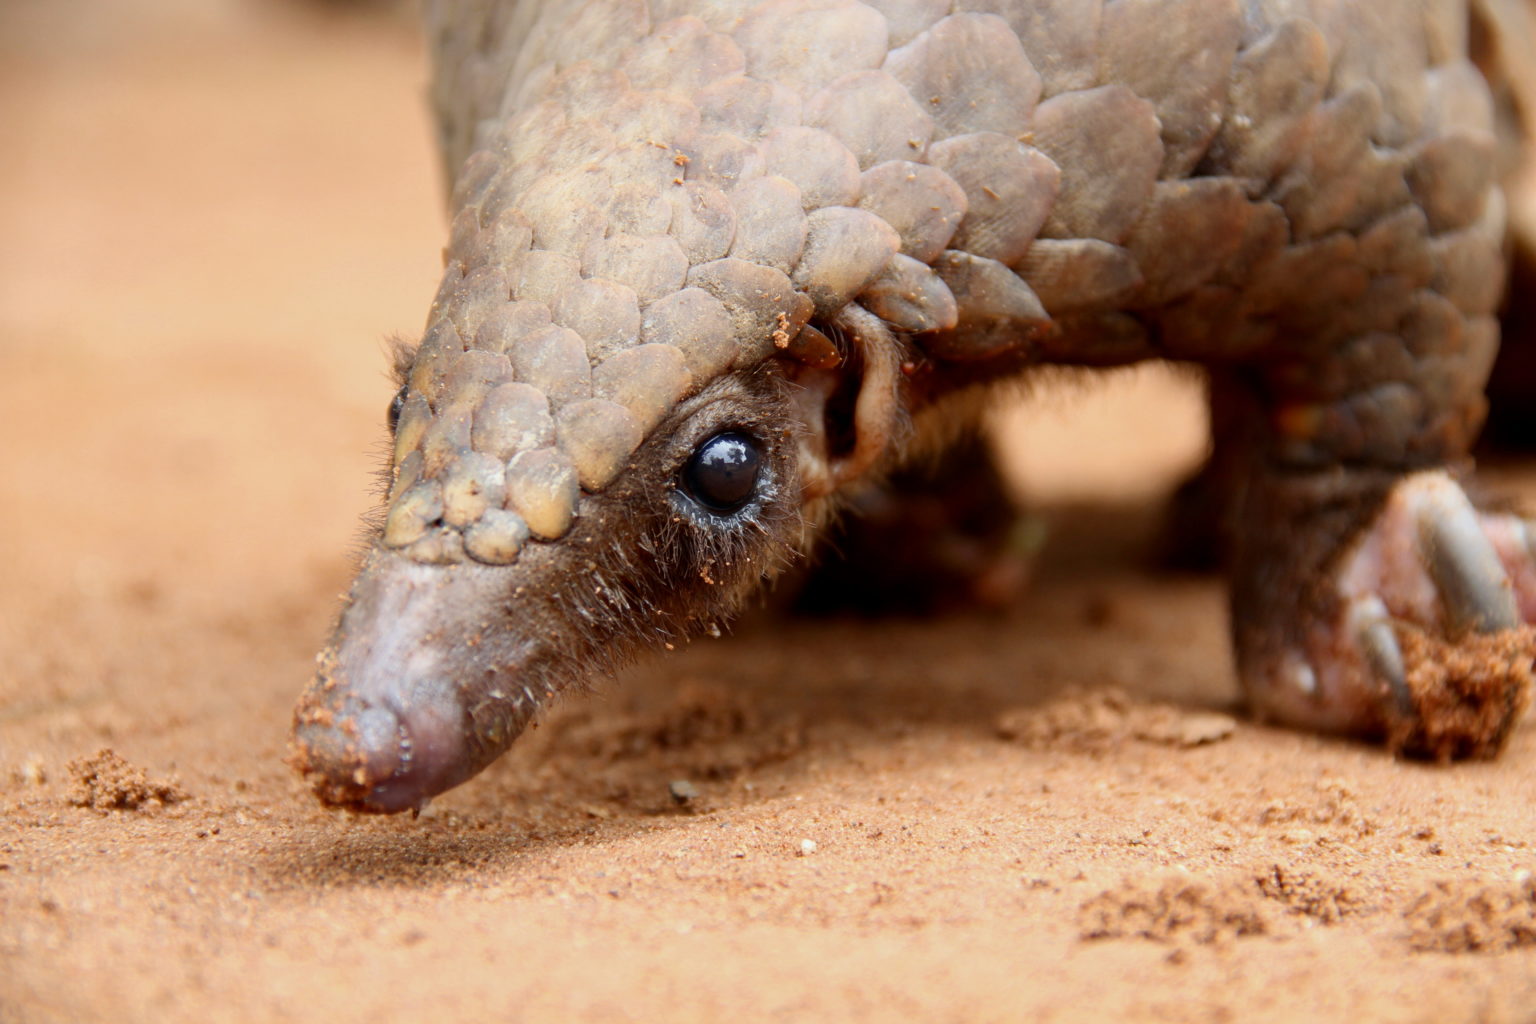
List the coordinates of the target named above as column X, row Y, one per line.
column 677, row 317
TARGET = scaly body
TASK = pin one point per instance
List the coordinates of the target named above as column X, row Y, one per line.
column 714, row 262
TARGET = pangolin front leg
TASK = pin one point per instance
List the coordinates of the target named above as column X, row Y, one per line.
column 714, row 265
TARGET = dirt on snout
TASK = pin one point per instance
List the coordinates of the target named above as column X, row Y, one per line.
column 214, row 212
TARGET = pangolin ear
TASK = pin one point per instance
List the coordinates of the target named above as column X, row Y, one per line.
column 847, row 373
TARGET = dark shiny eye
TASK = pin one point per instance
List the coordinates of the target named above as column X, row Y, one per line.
column 722, row 474
column 395, row 405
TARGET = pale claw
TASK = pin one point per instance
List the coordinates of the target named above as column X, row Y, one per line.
column 1372, row 626
column 1466, row 569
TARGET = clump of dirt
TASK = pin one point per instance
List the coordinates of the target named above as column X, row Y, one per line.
column 1311, row 894
column 106, row 782
column 1467, row 695
column 1472, row 916
column 1332, row 804
column 1177, row 909
column 1098, row 721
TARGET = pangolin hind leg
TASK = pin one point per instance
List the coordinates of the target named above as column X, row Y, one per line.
column 1369, row 595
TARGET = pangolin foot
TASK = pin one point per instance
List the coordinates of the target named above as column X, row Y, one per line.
column 1426, row 638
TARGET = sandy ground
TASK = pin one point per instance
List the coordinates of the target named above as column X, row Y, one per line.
column 1043, row 813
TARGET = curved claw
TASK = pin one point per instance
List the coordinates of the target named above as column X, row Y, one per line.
column 1474, row 588
column 1372, row 626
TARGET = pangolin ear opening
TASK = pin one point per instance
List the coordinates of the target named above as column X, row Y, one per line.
column 847, row 372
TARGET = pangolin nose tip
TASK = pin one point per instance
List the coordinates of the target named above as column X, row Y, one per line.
column 348, row 759
column 377, row 757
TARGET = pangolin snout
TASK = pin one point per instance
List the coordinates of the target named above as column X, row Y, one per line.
column 374, row 758
column 396, row 715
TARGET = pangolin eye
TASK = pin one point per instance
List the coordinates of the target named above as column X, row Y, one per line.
column 722, row 473
column 395, row 405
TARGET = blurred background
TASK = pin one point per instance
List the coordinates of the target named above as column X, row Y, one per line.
column 214, row 212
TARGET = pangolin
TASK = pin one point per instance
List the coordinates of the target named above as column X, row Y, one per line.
column 716, row 264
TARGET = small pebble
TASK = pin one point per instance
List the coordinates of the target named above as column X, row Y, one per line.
column 807, row 847
column 32, row 771
column 683, row 792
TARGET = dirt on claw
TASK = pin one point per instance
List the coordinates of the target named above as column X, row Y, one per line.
column 1466, row 695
